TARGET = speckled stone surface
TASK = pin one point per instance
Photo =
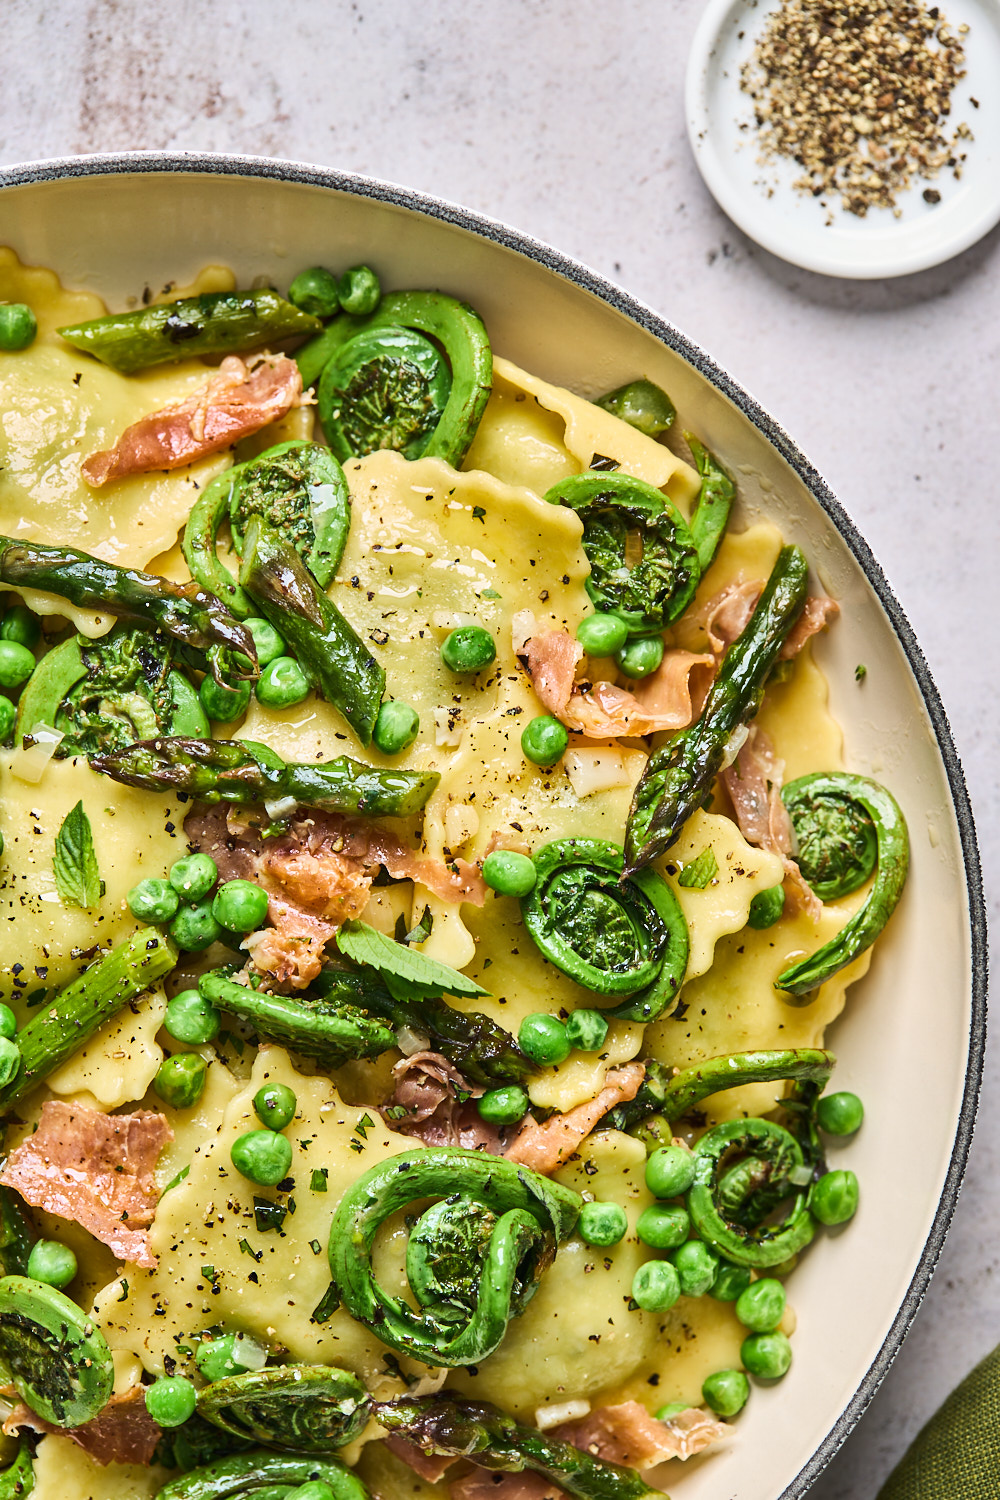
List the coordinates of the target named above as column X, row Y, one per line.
column 565, row 118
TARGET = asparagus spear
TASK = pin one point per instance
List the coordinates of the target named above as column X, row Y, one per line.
column 331, row 1032
column 182, row 610
column 83, row 1005
column 227, row 771
column 214, row 323
column 680, row 774
column 447, row 1425
column 332, row 655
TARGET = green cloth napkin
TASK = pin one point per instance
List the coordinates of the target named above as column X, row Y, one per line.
column 957, row 1455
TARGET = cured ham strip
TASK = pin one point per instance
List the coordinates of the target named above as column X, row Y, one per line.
column 430, row 1466
column 626, row 1434
column 317, row 875
column 668, row 699
column 545, row 1147
column 753, row 782
column 124, row 1433
column 438, row 1104
column 235, row 402
column 819, row 612
column 95, row 1169
column 486, row 1484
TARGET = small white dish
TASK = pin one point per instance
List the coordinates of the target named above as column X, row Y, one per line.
column 760, row 198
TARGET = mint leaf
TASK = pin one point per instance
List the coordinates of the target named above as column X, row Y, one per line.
column 697, row 873
column 74, row 862
column 403, row 968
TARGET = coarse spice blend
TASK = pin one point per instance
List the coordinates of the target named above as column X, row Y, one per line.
column 859, row 95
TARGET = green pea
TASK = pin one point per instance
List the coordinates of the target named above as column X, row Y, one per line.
column 587, row 1029
column 22, row 625
column 153, row 901
column 544, row 740
column 766, row 1355
column 509, row 873
column 191, row 1019
column 762, row 1306
column 642, row 405
column 766, row 907
column 240, row 905
column 8, row 714
column 726, row 1392
column 602, row 1224
column 18, row 326
column 268, row 642
column 396, row 726
column 16, row 664
column 601, row 634
column 730, row 1283
column 193, row 876
column 504, row 1105
column 641, row 657
column 656, row 1286
column 180, row 1080
column 359, row 291
column 670, row 1171
column 10, row 1060
column 840, row 1114
column 8, row 1023
column 468, row 649
column 52, row 1262
column 262, row 1156
column 275, row 1105
column 220, row 1357
column 282, row 683
column 315, row 291
column 221, row 704
column 194, row 928
column 834, row 1199
column 171, row 1400
column 543, row 1038
column 663, row 1227
column 313, row 1489
column 697, row 1267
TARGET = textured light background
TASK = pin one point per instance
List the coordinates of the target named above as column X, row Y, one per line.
column 565, row 118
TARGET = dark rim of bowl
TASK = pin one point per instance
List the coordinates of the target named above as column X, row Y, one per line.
column 114, row 164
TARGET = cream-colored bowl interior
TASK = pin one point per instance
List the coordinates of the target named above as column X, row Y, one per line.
column 904, row 1041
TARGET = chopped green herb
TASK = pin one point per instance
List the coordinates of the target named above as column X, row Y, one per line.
column 860, row 672
column 124, row 1286
column 317, row 1181
column 267, row 1215
column 697, row 873
column 247, row 1249
column 74, row 862
column 315, row 1247
column 327, row 1305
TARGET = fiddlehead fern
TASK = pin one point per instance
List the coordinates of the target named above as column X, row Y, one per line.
column 329, row 1030
column 516, row 1219
column 59, row 1361
column 298, row 489
column 104, row 695
column 18, row 1480
column 643, row 559
column 743, row 1170
column 614, row 937
column 386, row 384
column 305, row 1408
column 837, row 817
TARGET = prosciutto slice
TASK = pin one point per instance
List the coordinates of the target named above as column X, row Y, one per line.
column 668, row 699
column 237, row 401
column 487, row 1484
column 438, row 1104
column 726, row 615
column 753, row 782
column 626, row 1434
column 317, row 875
column 123, row 1433
column 96, row 1169
column 430, row 1466
column 545, row 1147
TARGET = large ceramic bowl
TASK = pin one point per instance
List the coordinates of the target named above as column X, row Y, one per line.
column 911, row 1040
